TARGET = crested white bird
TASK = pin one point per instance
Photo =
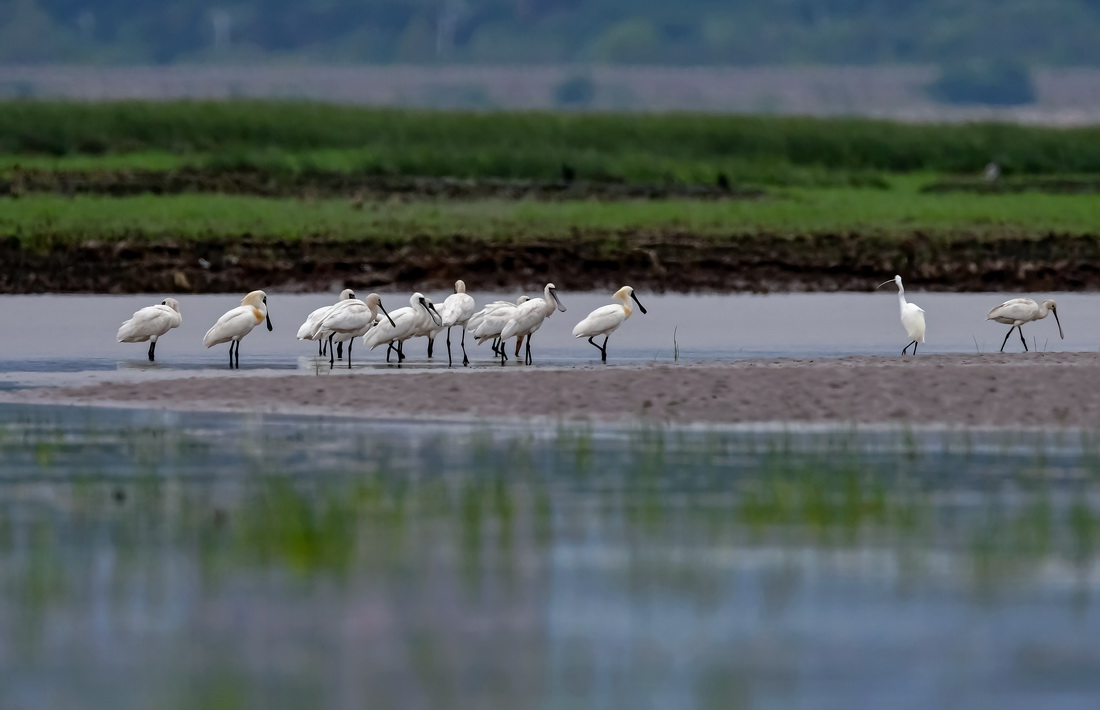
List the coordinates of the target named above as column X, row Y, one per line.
column 457, row 309
column 528, row 318
column 1017, row 311
column 309, row 330
column 350, row 319
column 403, row 324
column 237, row 323
column 487, row 323
column 150, row 323
column 912, row 317
column 605, row 320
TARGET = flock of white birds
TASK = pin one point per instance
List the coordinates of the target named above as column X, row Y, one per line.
column 350, row 318
column 499, row 322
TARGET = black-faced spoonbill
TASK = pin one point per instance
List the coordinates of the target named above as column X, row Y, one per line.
column 403, row 324
column 528, row 318
column 605, row 320
column 237, row 323
column 350, row 319
column 912, row 317
column 457, row 309
column 1018, row 311
column 309, row 330
column 150, row 323
column 487, row 323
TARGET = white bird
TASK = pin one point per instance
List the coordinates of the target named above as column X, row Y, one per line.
column 487, row 323
column 912, row 317
column 403, row 324
column 309, row 330
column 528, row 318
column 457, row 309
column 150, row 323
column 239, row 322
column 350, row 319
column 1018, row 311
column 605, row 320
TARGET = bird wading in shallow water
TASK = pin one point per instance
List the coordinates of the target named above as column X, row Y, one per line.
column 1018, row 311
column 457, row 309
column 351, row 319
column 150, row 323
column 309, row 329
column 237, row 323
column 528, row 318
column 912, row 317
column 605, row 320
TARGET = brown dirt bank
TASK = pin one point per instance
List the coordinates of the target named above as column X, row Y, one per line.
column 326, row 184
column 652, row 260
column 1019, row 390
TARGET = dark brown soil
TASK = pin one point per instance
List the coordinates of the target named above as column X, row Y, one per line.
column 1051, row 185
column 651, row 260
column 317, row 184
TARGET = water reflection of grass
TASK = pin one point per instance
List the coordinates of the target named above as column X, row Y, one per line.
column 427, row 536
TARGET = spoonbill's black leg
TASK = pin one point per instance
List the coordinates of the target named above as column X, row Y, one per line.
column 527, row 360
column 431, row 347
column 448, row 347
column 1005, row 341
column 331, row 360
column 914, row 347
column 603, row 350
column 152, row 347
column 465, row 359
column 340, row 351
column 1021, row 332
column 349, row 352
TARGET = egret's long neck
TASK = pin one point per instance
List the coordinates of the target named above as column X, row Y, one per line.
column 901, row 297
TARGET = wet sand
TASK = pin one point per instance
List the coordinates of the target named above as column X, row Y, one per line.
column 1035, row 389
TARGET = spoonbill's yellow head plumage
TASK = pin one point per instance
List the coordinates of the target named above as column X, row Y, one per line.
column 628, row 292
column 258, row 301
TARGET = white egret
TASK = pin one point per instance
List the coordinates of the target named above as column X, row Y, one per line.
column 239, row 322
column 403, row 324
column 605, row 320
column 912, row 317
column 1017, row 311
column 350, row 319
column 457, row 309
column 528, row 318
column 150, row 323
column 309, row 330
column 487, row 323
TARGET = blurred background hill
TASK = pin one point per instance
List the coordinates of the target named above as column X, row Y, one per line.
column 1030, row 60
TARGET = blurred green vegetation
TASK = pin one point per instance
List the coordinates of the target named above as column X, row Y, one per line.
column 48, row 221
column 612, row 147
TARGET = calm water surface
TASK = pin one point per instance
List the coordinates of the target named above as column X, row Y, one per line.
column 152, row 559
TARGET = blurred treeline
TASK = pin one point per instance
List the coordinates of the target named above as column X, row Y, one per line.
column 685, row 32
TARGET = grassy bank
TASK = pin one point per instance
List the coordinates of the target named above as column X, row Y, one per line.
column 684, row 147
column 48, row 220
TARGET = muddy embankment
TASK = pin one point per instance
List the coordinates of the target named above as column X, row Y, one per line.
column 651, row 261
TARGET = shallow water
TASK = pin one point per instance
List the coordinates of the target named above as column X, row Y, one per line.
column 153, row 559
column 74, row 334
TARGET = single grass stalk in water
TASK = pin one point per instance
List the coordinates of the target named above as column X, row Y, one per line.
column 675, row 346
